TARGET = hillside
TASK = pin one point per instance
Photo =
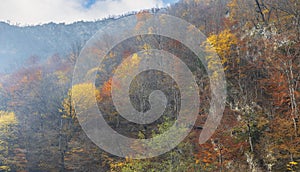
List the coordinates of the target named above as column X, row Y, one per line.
column 43, row 41
column 249, row 50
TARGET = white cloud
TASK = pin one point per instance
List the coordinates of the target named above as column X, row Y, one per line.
column 32, row 12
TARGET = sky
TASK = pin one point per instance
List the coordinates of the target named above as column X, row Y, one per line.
column 34, row 12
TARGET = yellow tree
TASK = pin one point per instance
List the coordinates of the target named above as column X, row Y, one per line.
column 224, row 45
column 78, row 94
column 12, row 158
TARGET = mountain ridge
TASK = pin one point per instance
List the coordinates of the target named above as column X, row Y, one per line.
column 19, row 43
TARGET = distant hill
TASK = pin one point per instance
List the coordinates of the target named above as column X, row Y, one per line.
column 19, row 43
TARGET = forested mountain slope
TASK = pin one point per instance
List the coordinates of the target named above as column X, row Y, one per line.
column 258, row 42
column 42, row 41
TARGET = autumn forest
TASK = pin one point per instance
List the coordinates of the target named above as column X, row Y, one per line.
column 258, row 43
